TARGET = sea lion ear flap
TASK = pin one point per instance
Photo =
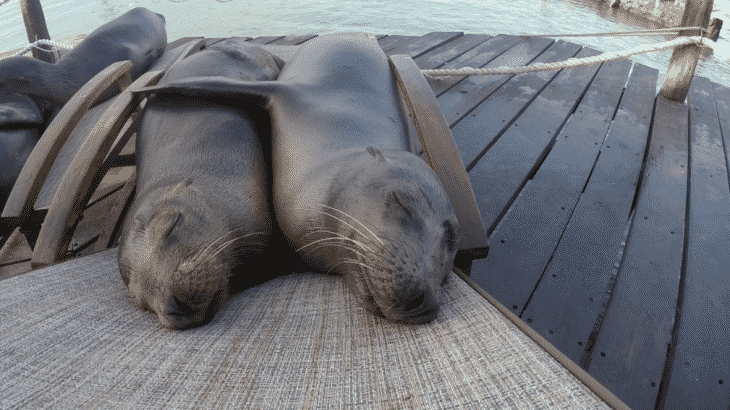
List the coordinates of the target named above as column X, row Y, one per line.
column 376, row 153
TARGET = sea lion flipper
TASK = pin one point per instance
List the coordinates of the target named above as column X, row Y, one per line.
column 215, row 87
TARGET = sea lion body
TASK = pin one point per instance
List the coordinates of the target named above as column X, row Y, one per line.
column 20, row 123
column 137, row 35
column 202, row 213
column 347, row 193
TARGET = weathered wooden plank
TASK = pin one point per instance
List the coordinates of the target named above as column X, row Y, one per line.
column 504, row 169
column 477, row 57
column 566, row 306
column 529, row 234
column 179, row 42
column 391, row 42
column 722, row 104
column 25, row 192
column 425, row 43
column 293, row 39
column 700, row 365
column 265, row 39
column 460, row 99
column 449, row 51
column 605, row 207
column 477, row 132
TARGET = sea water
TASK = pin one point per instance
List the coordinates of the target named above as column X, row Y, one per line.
column 225, row 18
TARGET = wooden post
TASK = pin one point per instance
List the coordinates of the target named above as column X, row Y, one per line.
column 684, row 59
column 715, row 26
column 35, row 28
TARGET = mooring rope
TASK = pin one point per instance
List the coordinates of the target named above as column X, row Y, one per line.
column 569, row 63
column 577, row 62
column 658, row 31
column 43, row 42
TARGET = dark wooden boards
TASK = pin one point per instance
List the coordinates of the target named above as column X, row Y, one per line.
column 265, row 39
column 460, row 99
column 424, row 44
column 293, row 39
column 476, row 57
column 630, row 351
column 603, row 210
column 699, row 367
column 476, row 132
column 529, row 233
column 448, row 51
column 390, row 42
column 504, row 169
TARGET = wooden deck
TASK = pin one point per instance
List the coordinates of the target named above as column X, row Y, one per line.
column 567, row 168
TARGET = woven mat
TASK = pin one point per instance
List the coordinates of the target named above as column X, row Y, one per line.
column 69, row 338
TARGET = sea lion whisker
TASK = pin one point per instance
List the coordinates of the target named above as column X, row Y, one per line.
column 332, row 216
column 236, row 246
column 216, row 240
column 354, row 219
column 353, row 262
column 330, row 238
column 340, row 236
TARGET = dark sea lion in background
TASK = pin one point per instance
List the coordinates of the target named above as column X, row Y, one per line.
column 201, row 217
column 347, row 193
column 137, row 35
column 20, row 123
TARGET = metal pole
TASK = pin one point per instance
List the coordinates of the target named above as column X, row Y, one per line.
column 35, row 27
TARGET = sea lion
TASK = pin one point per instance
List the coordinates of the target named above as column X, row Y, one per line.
column 137, row 35
column 347, row 193
column 202, row 214
column 20, row 123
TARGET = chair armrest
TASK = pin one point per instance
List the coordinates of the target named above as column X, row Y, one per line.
column 81, row 179
column 440, row 152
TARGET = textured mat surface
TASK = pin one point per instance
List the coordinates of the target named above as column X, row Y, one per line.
column 69, row 338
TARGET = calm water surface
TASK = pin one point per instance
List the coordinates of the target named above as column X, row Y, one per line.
column 217, row 18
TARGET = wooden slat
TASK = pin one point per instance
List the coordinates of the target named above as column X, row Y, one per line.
column 265, row 39
column 179, row 42
column 504, row 169
column 446, row 52
column 81, row 180
column 649, row 273
column 700, row 368
column 477, row 132
column 115, row 218
column 630, row 351
column 293, row 39
column 529, row 234
column 424, row 44
column 391, row 42
column 440, row 151
column 437, row 57
column 35, row 171
column 460, row 99
column 178, row 53
column 477, row 57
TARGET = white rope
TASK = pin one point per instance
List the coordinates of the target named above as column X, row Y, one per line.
column 571, row 62
column 658, row 31
column 43, row 42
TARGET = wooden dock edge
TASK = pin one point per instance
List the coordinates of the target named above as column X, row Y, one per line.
column 601, row 391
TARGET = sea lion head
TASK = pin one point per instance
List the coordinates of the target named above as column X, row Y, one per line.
column 173, row 258
column 390, row 229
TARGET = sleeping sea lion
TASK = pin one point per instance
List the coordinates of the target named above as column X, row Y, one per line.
column 347, row 192
column 137, row 35
column 201, row 218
